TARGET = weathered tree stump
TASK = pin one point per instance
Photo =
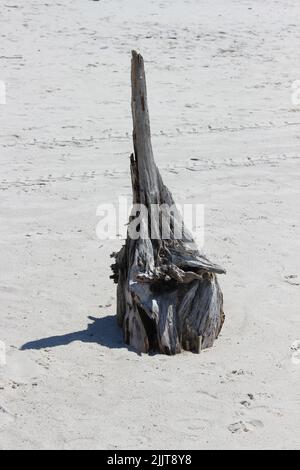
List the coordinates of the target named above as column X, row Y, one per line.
column 168, row 296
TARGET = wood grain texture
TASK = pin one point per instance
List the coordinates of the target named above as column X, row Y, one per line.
column 168, row 295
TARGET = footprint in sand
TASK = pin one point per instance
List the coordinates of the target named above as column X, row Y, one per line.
column 5, row 417
column 245, row 426
column 296, row 352
column 292, row 279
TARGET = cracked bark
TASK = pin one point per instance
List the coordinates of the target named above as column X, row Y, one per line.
column 168, row 295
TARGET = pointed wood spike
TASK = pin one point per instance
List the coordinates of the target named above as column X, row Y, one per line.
column 168, row 295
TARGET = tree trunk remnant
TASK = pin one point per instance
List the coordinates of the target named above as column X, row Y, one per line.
column 168, row 295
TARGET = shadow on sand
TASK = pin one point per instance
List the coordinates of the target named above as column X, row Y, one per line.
column 103, row 331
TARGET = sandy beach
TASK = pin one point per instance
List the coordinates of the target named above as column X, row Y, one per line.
column 225, row 133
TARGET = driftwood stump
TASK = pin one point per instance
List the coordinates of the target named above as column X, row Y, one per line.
column 168, row 296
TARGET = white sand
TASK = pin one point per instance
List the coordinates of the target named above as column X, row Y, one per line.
column 65, row 142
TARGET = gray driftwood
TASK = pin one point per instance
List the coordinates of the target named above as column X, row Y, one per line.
column 168, row 296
